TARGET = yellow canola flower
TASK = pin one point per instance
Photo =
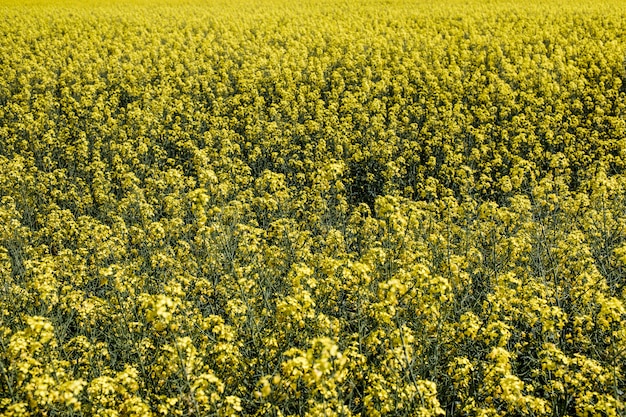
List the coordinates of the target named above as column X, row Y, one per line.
column 612, row 312
column 159, row 310
column 70, row 393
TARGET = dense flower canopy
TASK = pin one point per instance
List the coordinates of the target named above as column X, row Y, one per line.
column 397, row 208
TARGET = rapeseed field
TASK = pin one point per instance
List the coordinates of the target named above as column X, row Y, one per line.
column 330, row 208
